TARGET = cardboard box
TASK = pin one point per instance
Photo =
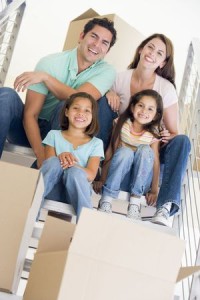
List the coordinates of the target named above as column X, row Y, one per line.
column 128, row 38
column 108, row 258
column 20, row 197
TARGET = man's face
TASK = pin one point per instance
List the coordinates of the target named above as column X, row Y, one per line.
column 95, row 44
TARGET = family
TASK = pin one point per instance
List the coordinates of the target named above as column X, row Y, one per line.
column 77, row 108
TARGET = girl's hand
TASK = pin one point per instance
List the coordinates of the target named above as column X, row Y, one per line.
column 27, row 78
column 151, row 198
column 113, row 100
column 97, row 186
column 67, row 160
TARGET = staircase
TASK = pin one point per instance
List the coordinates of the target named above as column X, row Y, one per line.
column 187, row 223
column 11, row 15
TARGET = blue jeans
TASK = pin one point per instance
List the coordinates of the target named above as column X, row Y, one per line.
column 174, row 156
column 11, row 116
column 138, row 165
column 105, row 116
column 73, row 181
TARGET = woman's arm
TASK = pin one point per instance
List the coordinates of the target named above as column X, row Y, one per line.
column 113, row 100
column 171, row 121
column 57, row 88
column 151, row 197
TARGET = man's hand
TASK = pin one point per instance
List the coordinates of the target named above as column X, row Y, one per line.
column 23, row 81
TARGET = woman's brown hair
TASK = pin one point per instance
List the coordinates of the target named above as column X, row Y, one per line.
column 168, row 71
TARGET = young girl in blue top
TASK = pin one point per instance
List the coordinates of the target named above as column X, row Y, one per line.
column 73, row 154
column 133, row 151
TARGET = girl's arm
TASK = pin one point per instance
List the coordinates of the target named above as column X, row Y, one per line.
column 151, row 197
column 91, row 168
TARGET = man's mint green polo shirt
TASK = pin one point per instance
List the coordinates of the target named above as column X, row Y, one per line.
column 64, row 67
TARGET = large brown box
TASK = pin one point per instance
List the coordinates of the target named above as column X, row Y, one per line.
column 105, row 258
column 21, row 192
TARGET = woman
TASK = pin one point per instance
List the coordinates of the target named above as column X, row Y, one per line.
column 153, row 68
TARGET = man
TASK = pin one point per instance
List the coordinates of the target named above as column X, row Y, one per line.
column 56, row 77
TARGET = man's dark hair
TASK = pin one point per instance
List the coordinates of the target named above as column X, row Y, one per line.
column 103, row 22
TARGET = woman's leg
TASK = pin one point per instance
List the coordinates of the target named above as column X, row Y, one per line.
column 175, row 157
column 78, row 189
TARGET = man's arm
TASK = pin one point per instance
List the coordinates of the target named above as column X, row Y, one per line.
column 33, row 106
column 60, row 90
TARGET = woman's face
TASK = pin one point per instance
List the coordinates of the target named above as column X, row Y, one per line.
column 153, row 55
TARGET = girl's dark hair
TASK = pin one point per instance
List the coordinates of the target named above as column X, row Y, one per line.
column 154, row 126
column 103, row 22
column 168, row 71
column 93, row 127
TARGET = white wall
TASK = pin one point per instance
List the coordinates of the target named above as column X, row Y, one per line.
column 45, row 24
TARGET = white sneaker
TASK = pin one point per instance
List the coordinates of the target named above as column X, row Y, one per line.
column 105, row 207
column 161, row 217
column 134, row 212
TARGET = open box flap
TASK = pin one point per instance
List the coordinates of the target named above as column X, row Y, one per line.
column 90, row 13
column 186, row 272
column 56, row 235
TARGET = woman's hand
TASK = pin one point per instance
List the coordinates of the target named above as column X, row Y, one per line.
column 23, row 81
column 165, row 136
column 67, row 160
column 113, row 100
column 97, row 186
